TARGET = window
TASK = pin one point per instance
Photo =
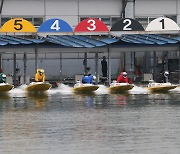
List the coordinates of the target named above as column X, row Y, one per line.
column 114, row 20
column 144, row 21
column 173, row 17
column 4, row 20
column 108, row 21
column 36, row 21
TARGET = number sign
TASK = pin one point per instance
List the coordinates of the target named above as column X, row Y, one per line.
column 55, row 25
column 91, row 25
column 18, row 25
column 127, row 24
column 162, row 24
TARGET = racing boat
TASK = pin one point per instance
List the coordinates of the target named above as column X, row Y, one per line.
column 5, row 87
column 38, row 87
column 120, row 87
column 160, row 87
column 84, row 88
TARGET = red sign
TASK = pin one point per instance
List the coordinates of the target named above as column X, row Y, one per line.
column 91, row 25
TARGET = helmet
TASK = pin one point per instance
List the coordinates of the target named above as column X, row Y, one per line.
column 166, row 74
column 124, row 74
column 41, row 70
column 94, row 77
column 3, row 76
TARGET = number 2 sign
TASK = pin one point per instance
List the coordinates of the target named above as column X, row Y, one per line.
column 127, row 24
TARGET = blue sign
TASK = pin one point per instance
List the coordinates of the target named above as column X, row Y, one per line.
column 55, row 25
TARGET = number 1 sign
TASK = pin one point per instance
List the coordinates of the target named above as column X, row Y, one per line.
column 162, row 24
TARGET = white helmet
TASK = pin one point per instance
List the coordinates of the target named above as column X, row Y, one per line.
column 166, row 74
column 3, row 76
column 124, row 74
column 94, row 77
column 42, row 71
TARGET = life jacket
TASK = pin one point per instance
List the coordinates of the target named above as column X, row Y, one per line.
column 87, row 79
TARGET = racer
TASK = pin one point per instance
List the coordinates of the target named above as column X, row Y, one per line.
column 3, row 78
column 88, row 79
column 123, row 78
column 40, row 76
column 163, row 77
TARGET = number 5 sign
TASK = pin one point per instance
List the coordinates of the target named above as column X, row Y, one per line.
column 91, row 25
column 162, row 24
column 18, row 25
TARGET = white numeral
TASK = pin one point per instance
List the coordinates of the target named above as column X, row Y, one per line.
column 92, row 24
column 128, row 23
column 55, row 25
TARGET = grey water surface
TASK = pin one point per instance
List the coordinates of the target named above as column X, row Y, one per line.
column 59, row 123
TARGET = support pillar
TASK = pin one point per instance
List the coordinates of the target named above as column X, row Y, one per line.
column 179, row 65
column 85, row 63
column 109, row 65
column 147, row 62
column 0, row 60
column 154, row 65
column 36, row 58
column 96, row 67
column 14, row 71
column 60, row 71
column 25, row 66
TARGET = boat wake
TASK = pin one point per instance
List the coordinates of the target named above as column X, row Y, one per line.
column 138, row 90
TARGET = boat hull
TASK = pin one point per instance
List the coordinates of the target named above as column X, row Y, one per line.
column 160, row 87
column 120, row 87
column 85, row 88
column 38, row 87
column 4, row 87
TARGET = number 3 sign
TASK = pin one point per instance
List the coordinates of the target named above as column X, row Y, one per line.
column 91, row 25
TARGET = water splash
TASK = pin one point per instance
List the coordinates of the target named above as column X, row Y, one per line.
column 138, row 90
column 62, row 88
column 18, row 91
column 175, row 90
column 102, row 90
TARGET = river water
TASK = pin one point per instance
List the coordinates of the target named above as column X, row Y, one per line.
column 61, row 122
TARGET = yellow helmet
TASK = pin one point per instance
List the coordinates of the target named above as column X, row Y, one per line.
column 40, row 70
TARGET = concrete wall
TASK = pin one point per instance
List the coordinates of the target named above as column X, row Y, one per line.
column 157, row 8
column 68, row 10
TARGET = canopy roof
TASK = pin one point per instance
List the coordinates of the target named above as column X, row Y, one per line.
column 78, row 41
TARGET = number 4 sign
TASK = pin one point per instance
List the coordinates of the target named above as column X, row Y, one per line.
column 55, row 25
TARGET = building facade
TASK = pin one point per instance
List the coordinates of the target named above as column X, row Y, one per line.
column 73, row 11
